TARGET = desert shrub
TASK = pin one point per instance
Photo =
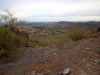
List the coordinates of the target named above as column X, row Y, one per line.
column 9, row 40
column 77, row 34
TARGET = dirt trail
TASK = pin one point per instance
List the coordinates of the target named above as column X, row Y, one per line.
column 82, row 57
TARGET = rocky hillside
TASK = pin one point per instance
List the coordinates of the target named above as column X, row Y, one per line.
column 78, row 58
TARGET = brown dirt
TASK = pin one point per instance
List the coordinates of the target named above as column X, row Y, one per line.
column 82, row 57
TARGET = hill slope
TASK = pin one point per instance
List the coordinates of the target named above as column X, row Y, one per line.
column 81, row 57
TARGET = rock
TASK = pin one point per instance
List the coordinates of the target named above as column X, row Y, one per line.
column 60, row 73
column 33, row 73
column 47, row 72
column 78, row 63
column 97, row 61
column 84, row 61
column 66, row 71
column 82, row 72
column 54, row 53
column 66, row 60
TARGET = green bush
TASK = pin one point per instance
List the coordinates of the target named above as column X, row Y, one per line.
column 77, row 34
column 9, row 41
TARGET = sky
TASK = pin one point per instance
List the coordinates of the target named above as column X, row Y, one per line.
column 53, row 10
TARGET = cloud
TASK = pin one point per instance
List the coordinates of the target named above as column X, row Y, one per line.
column 70, row 18
column 53, row 9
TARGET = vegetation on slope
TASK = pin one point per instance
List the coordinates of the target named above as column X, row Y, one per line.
column 74, row 34
column 9, row 41
column 48, row 40
column 78, row 34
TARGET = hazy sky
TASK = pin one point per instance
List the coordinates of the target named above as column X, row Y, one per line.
column 53, row 10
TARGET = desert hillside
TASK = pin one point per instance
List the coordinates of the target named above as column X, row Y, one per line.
column 78, row 58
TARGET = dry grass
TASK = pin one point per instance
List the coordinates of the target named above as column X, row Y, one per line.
column 49, row 40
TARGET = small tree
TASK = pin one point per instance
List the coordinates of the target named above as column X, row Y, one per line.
column 9, row 19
